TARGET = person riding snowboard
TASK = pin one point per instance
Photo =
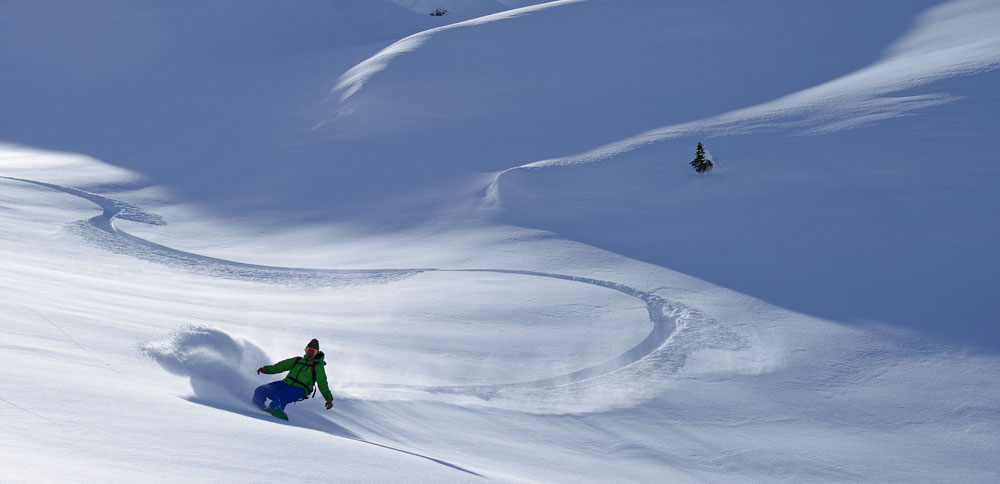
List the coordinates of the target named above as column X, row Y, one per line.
column 303, row 374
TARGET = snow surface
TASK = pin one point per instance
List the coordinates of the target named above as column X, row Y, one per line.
column 489, row 222
column 464, row 8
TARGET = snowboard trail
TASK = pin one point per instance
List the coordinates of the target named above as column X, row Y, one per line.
column 120, row 241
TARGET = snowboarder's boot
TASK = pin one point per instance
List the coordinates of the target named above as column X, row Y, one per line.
column 277, row 413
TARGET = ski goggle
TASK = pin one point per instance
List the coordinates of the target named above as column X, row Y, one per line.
column 311, row 351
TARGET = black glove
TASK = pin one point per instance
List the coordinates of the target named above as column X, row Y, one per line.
column 329, row 403
column 260, row 370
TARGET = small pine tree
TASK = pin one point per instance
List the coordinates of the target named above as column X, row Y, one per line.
column 700, row 162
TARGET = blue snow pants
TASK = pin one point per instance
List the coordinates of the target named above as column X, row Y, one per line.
column 279, row 392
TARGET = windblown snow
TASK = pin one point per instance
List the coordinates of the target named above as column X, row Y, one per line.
column 488, row 220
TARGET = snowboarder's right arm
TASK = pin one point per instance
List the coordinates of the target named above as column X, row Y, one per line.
column 279, row 367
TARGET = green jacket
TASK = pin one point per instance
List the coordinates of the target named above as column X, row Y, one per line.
column 300, row 373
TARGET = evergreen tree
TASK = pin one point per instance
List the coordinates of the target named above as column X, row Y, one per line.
column 701, row 163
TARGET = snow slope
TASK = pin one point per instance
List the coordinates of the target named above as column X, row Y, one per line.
column 847, row 181
column 464, row 8
column 490, row 225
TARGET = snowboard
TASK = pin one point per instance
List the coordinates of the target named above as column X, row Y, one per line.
column 277, row 413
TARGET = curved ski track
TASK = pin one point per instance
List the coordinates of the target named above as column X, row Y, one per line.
column 119, row 241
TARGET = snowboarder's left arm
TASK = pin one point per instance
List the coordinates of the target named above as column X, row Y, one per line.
column 324, row 388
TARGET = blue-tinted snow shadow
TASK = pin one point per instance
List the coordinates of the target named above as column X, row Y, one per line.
column 222, row 373
column 887, row 225
column 214, row 100
column 206, row 99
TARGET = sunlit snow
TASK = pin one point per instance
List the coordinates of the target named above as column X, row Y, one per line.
column 488, row 220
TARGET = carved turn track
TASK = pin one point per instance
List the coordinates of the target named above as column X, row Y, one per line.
column 119, row 241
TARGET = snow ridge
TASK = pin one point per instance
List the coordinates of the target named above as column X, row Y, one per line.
column 955, row 39
column 355, row 79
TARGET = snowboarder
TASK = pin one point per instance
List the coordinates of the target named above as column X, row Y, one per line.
column 303, row 374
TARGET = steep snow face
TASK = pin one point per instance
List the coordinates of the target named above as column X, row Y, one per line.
column 514, row 63
column 217, row 88
column 230, row 89
column 481, row 94
column 820, row 193
column 819, row 102
column 952, row 40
